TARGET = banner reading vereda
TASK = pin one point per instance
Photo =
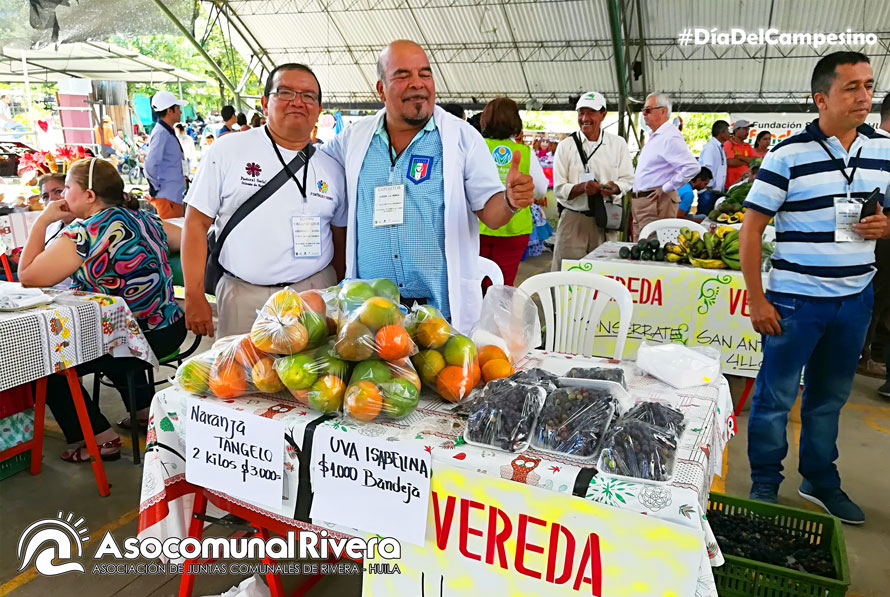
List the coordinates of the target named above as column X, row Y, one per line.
column 493, row 537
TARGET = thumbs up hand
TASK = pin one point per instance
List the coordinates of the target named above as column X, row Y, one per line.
column 520, row 187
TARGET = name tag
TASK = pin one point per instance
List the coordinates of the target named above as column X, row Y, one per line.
column 389, row 205
column 307, row 236
column 846, row 213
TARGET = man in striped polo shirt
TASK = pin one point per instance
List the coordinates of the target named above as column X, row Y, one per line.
column 819, row 298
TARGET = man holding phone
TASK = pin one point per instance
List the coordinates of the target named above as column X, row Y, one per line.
column 819, row 298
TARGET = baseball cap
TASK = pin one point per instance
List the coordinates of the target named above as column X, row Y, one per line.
column 593, row 100
column 164, row 99
column 741, row 124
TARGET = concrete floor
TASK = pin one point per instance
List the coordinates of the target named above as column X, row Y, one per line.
column 864, row 442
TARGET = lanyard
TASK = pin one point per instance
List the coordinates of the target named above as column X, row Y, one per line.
column 585, row 159
column 392, row 150
column 301, row 187
column 840, row 165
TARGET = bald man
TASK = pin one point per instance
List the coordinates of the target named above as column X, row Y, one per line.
column 418, row 181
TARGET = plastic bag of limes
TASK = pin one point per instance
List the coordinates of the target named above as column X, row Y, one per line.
column 382, row 390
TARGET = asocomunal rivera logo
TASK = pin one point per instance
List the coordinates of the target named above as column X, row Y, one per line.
column 502, row 155
column 51, row 539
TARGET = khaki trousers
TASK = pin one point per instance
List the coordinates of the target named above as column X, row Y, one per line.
column 647, row 210
column 576, row 236
column 238, row 301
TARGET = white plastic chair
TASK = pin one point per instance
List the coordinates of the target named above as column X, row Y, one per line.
column 668, row 230
column 573, row 303
column 491, row 270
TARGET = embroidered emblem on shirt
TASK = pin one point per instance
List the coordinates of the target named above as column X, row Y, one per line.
column 253, row 169
column 322, row 186
column 419, row 168
column 502, row 155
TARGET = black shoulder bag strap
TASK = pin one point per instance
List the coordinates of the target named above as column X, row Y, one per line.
column 595, row 206
column 576, row 137
column 214, row 271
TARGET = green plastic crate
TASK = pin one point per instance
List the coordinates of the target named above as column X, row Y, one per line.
column 16, row 464
column 741, row 577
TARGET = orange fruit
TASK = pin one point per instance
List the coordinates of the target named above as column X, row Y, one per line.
column 363, row 401
column 302, row 396
column 487, row 353
column 265, row 377
column 476, row 371
column 453, row 383
column 246, row 352
column 393, row 343
column 282, row 301
column 313, row 301
column 496, row 369
column 433, row 333
column 227, row 379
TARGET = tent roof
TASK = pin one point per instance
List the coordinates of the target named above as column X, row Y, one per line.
column 89, row 60
column 553, row 50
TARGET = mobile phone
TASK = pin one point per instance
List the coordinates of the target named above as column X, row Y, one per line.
column 870, row 207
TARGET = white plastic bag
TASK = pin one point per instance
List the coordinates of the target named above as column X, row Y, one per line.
column 509, row 320
column 678, row 365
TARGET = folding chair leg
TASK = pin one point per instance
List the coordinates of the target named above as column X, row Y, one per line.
column 272, row 578
column 87, row 429
column 134, row 423
column 39, row 413
column 196, row 531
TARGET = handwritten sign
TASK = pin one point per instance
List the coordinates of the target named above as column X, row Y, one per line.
column 237, row 453
column 489, row 536
column 370, row 484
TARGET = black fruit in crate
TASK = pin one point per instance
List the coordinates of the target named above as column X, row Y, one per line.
column 658, row 415
column 503, row 414
column 640, row 450
column 573, row 421
column 761, row 540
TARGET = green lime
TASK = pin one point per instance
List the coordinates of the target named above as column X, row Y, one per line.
column 400, row 398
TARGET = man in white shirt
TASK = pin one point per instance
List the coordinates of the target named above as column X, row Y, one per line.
column 188, row 146
column 714, row 159
column 294, row 238
column 582, row 188
column 665, row 164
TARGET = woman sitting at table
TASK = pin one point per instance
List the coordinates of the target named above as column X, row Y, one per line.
column 114, row 249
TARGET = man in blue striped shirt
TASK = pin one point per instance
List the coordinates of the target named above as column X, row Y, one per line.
column 819, row 298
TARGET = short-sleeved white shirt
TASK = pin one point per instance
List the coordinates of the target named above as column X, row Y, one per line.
column 260, row 250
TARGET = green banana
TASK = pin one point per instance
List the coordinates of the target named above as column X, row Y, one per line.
column 673, row 257
column 731, row 262
column 698, row 248
column 686, row 232
column 711, row 242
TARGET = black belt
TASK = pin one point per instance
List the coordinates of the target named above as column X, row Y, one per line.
column 277, row 285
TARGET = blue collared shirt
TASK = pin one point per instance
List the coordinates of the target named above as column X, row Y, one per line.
column 411, row 254
column 163, row 163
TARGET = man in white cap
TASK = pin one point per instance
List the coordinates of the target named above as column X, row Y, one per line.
column 665, row 164
column 165, row 165
column 739, row 153
column 591, row 168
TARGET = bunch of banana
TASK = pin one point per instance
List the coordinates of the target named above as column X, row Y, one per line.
column 707, row 263
column 674, row 253
column 712, row 245
column 730, row 250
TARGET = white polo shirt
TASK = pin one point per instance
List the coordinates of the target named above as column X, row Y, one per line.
column 261, row 249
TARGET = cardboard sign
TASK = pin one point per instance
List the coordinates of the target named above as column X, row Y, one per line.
column 370, row 484
column 237, row 453
column 488, row 536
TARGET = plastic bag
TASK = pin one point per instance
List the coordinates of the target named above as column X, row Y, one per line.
column 233, row 366
column 508, row 320
column 447, row 361
column 614, row 374
column 370, row 324
column 573, row 421
column 194, row 374
column 288, row 325
column 637, row 449
column 678, row 365
column 382, row 390
column 503, row 414
column 658, row 415
column 315, row 377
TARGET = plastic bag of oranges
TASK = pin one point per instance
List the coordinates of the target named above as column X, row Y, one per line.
column 371, row 322
column 382, row 390
column 447, row 361
column 315, row 377
column 508, row 327
column 234, row 366
column 290, row 323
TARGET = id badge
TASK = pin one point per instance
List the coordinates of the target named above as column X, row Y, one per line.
column 389, row 205
column 307, row 236
column 846, row 213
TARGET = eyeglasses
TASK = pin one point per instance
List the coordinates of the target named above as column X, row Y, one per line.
column 310, row 98
column 650, row 110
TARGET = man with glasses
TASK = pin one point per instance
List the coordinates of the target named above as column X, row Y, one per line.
column 294, row 238
column 665, row 164
column 419, row 181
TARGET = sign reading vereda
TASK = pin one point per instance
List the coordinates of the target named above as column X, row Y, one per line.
column 488, row 536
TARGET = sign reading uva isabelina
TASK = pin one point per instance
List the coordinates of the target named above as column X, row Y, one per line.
column 489, row 536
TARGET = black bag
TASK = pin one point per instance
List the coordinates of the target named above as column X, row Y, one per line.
column 605, row 213
column 213, row 271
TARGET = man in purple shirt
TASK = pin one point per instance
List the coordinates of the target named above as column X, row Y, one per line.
column 665, row 164
column 165, row 163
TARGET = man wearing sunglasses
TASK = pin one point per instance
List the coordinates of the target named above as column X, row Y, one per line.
column 294, row 237
column 665, row 164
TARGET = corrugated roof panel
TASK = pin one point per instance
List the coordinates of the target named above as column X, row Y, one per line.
column 562, row 21
column 293, row 31
column 571, row 78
